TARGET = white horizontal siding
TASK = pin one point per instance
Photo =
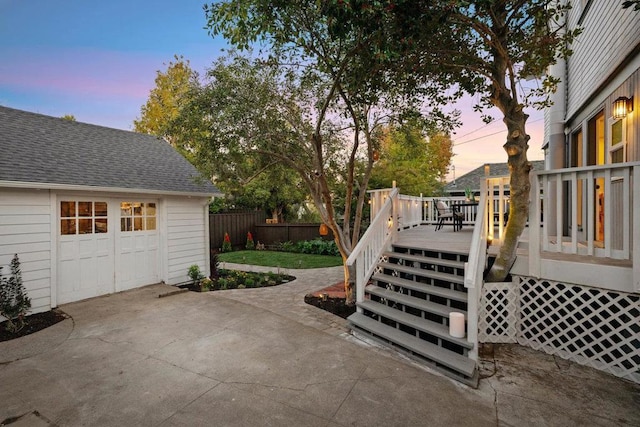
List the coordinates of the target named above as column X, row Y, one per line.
column 609, row 35
column 25, row 229
column 186, row 237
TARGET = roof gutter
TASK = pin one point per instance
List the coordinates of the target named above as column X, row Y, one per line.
column 70, row 187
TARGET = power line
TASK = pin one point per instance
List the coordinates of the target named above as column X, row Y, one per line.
column 491, row 134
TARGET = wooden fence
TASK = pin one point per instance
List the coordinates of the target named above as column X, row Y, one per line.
column 270, row 234
column 237, row 224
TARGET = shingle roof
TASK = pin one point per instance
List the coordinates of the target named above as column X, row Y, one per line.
column 472, row 179
column 35, row 148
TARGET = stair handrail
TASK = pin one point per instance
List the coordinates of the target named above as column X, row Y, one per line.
column 382, row 230
column 474, row 268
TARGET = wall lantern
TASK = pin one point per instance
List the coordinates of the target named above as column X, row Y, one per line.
column 376, row 155
column 622, row 106
column 324, row 230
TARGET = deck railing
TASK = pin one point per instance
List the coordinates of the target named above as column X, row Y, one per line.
column 474, row 268
column 592, row 211
column 381, row 233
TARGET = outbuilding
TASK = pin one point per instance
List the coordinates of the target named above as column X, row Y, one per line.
column 91, row 210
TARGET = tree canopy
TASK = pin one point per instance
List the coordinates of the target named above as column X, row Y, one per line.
column 170, row 93
column 483, row 47
column 419, row 163
column 330, row 105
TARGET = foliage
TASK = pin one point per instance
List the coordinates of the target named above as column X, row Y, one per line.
column 417, row 163
column 171, row 92
column 485, row 48
column 206, row 284
column 226, row 243
column 250, row 243
column 69, row 117
column 628, row 3
column 195, row 274
column 14, row 302
column 234, row 279
column 315, row 247
column 313, row 100
column 274, row 188
column 283, row 260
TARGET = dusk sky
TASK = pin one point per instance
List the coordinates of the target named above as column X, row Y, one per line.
column 98, row 61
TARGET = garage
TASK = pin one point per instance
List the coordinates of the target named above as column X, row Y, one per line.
column 106, row 245
column 91, row 210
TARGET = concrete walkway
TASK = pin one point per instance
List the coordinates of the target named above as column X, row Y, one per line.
column 261, row 357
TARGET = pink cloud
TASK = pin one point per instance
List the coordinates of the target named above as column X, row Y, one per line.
column 80, row 72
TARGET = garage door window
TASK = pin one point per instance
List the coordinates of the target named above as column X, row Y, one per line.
column 137, row 216
column 83, row 217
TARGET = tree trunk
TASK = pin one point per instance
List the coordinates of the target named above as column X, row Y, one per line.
column 519, row 167
column 349, row 285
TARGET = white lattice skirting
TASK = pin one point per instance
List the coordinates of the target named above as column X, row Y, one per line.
column 590, row 326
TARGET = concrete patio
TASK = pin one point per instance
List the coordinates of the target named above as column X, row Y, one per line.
column 261, row 357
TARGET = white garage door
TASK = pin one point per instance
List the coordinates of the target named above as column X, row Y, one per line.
column 105, row 246
column 85, row 250
column 137, row 244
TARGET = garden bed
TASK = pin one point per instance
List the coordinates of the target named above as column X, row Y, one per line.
column 331, row 299
column 237, row 279
column 33, row 323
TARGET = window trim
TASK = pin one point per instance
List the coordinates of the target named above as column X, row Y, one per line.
column 128, row 221
column 77, row 217
column 622, row 145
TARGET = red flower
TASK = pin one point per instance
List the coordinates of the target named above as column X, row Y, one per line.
column 227, row 238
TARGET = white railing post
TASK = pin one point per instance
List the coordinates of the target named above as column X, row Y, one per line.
column 474, row 269
column 381, row 231
column 636, row 229
column 534, row 226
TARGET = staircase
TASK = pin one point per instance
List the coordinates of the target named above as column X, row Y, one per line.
column 407, row 306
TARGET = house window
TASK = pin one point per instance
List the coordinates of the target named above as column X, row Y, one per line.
column 618, row 146
column 83, row 217
column 137, row 216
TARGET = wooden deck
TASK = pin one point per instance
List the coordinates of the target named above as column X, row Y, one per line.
column 425, row 237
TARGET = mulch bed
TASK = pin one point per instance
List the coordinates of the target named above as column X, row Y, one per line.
column 331, row 299
column 33, row 323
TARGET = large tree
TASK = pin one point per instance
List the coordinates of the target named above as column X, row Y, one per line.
column 172, row 113
column 330, row 97
column 172, row 90
column 417, row 161
column 485, row 48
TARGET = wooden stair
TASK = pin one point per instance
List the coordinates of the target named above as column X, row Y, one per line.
column 407, row 306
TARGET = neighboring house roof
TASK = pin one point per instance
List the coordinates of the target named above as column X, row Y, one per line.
column 51, row 151
column 472, row 179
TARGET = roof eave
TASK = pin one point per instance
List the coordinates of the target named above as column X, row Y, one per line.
column 69, row 187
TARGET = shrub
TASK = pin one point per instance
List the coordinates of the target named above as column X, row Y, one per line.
column 250, row 244
column 286, row 247
column 195, row 274
column 226, row 244
column 317, row 247
column 14, row 302
column 206, row 284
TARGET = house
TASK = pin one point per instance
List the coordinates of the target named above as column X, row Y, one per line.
column 574, row 289
column 92, row 210
column 471, row 180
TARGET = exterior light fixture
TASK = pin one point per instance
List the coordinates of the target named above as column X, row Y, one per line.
column 376, row 155
column 622, row 106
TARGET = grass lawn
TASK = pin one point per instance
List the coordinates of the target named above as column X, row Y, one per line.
column 279, row 259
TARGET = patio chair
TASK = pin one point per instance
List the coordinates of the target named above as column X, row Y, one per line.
column 445, row 213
